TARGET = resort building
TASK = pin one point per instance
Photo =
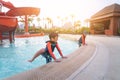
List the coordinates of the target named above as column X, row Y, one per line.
column 106, row 21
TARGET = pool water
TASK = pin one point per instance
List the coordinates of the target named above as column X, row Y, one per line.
column 14, row 57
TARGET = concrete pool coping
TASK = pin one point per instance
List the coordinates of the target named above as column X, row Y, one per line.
column 59, row 71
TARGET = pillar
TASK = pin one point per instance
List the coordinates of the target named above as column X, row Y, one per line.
column 26, row 24
column 10, row 37
column 113, row 25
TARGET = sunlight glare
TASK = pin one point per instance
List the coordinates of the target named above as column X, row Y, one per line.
column 82, row 9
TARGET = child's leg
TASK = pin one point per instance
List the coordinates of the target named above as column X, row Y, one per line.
column 79, row 43
column 37, row 54
column 48, row 59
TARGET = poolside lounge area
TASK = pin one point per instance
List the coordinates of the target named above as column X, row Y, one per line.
column 62, row 70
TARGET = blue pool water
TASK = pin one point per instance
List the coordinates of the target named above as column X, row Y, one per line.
column 13, row 57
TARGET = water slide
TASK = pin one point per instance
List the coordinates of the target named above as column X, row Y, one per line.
column 8, row 20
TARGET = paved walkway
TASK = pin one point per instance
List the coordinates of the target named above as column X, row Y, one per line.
column 97, row 67
column 112, row 46
column 105, row 64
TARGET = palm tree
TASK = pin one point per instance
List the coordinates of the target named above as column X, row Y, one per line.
column 77, row 23
column 66, row 18
column 50, row 22
column 87, row 22
column 30, row 20
column 72, row 17
column 59, row 20
column 38, row 20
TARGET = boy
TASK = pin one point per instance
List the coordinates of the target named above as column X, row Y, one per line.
column 82, row 39
column 47, row 53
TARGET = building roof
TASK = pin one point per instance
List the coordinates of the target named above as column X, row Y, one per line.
column 110, row 10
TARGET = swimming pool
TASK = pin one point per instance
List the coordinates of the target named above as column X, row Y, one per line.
column 13, row 57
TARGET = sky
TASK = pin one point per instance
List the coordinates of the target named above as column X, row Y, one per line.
column 81, row 9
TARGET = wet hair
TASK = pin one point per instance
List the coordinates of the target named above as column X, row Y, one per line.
column 53, row 35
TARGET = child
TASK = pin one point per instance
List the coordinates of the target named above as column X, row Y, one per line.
column 82, row 39
column 47, row 53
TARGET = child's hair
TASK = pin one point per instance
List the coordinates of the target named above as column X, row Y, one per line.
column 53, row 35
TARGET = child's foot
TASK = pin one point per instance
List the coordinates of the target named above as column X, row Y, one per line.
column 30, row 60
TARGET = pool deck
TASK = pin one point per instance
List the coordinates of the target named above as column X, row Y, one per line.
column 65, row 70
column 28, row 35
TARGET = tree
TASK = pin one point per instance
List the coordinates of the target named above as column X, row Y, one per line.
column 59, row 20
column 72, row 17
column 49, row 20
column 38, row 20
column 77, row 23
column 30, row 20
column 87, row 22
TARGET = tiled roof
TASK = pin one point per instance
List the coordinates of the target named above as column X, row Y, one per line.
column 114, row 8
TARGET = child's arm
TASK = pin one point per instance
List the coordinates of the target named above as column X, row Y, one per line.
column 83, row 39
column 51, row 53
column 60, row 52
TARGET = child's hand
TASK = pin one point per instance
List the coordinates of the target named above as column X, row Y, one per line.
column 64, row 57
column 57, row 60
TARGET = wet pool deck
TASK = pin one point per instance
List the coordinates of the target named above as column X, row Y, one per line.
column 62, row 70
